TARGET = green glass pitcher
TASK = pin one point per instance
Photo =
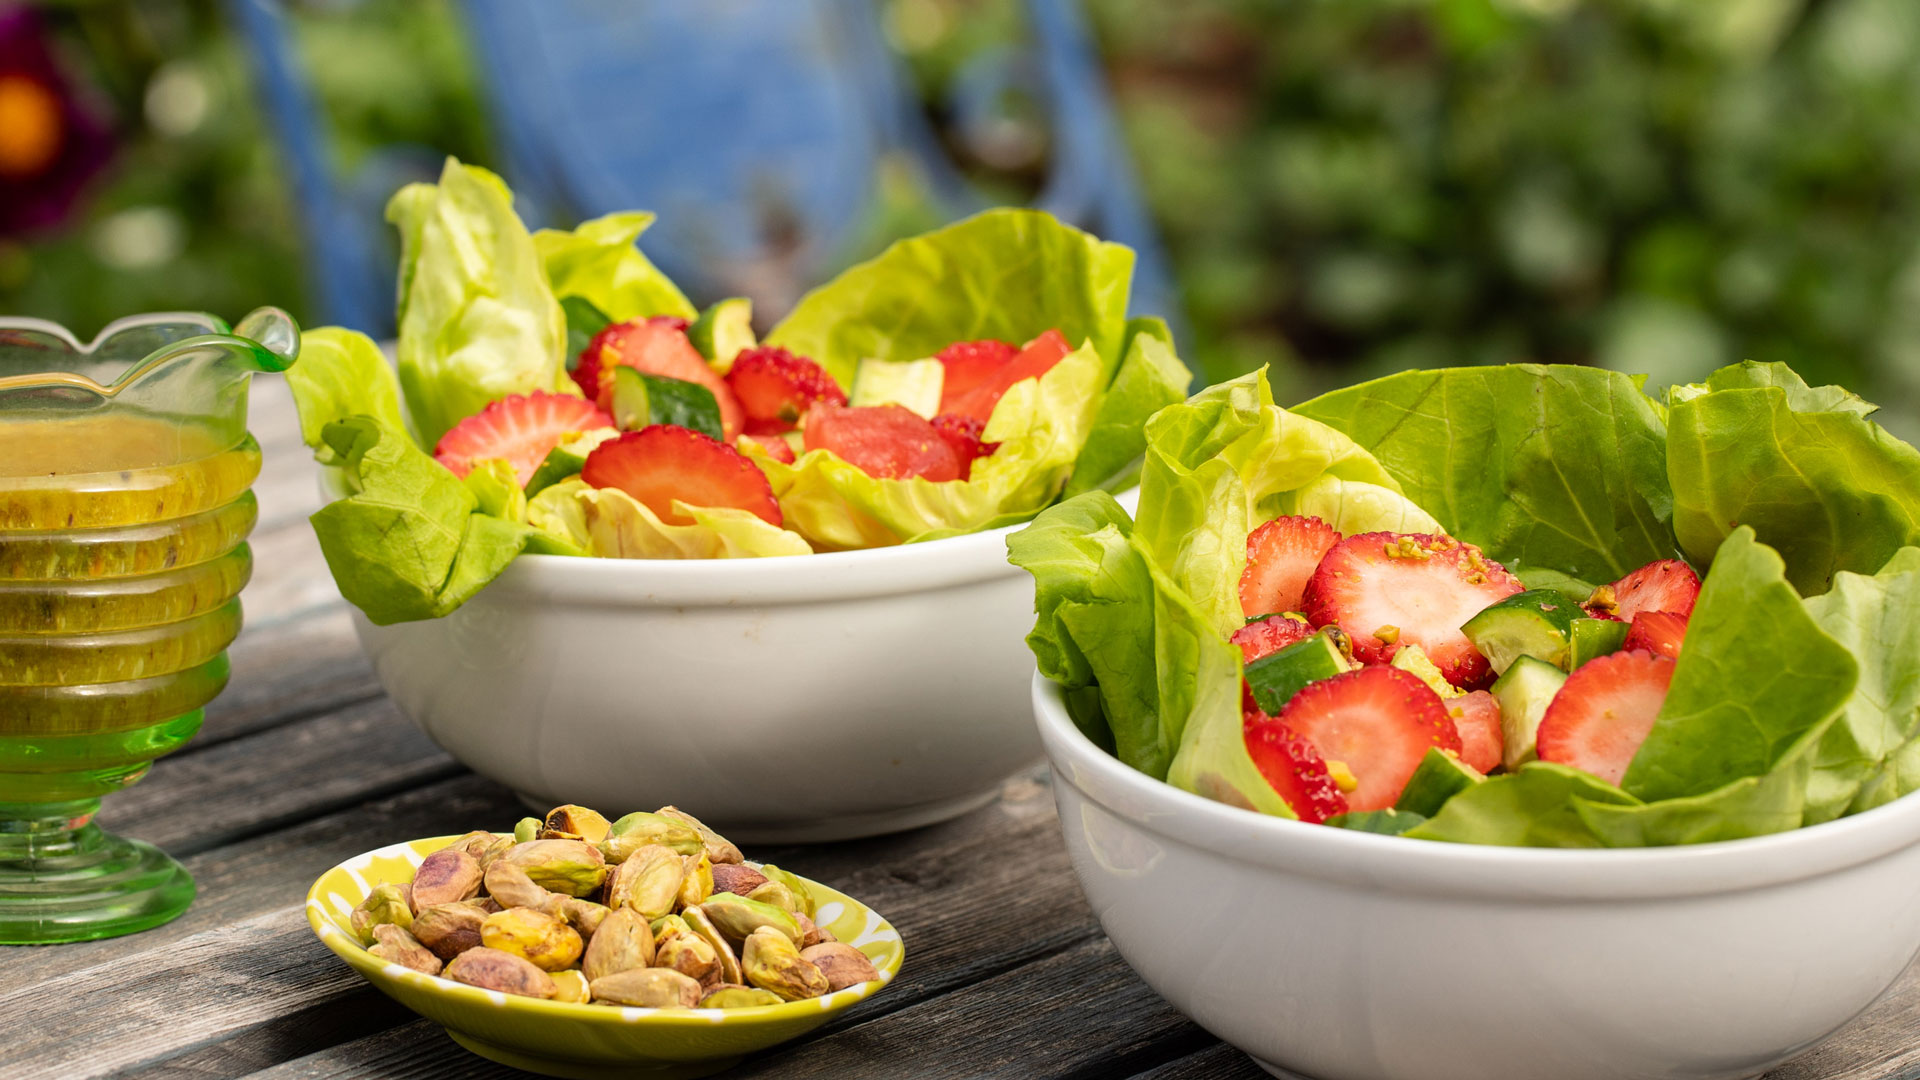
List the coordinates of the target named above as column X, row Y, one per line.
column 124, row 510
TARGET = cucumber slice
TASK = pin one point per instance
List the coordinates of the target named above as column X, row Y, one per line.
column 1384, row 822
column 912, row 384
column 1440, row 777
column 1276, row 677
column 722, row 331
column 567, row 459
column 1524, row 693
column 640, row 400
column 1412, row 659
column 1534, row 623
column 583, row 321
column 1595, row 637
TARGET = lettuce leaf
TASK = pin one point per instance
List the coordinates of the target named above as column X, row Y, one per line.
column 1538, row 806
column 1544, row 466
column 599, row 263
column 1150, row 378
column 341, row 373
column 1006, row 274
column 1771, row 802
column 1874, row 618
column 611, row 524
column 477, row 318
column 1829, row 489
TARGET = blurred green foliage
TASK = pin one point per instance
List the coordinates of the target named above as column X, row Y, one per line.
column 1347, row 187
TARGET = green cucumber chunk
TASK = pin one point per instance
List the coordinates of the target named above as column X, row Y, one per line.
column 1536, row 623
column 641, row 400
column 1593, row 638
column 723, row 331
column 1523, row 694
column 1440, row 777
column 912, row 384
column 567, row 459
column 1384, row 822
column 1413, row 660
column 1277, row 676
column 583, row 321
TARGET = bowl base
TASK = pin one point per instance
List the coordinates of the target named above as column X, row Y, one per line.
column 63, row 879
column 591, row 1070
column 1283, row 1074
column 830, row 830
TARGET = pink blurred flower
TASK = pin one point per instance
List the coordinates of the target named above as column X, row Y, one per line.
column 51, row 144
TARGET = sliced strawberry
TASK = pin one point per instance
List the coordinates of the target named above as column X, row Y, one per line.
column 520, row 428
column 657, row 346
column 1603, row 712
column 1658, row 632
column 661, row 463
column 1281, row 557
column 967, row 364
column 886, row 441
column 1270, row 635
column 1389, row 589
column 1036, row 358
column 963, row 434
column 1377, row 723
column 1476, row 717
column 776, row 446
column 1292, row 767
column 1663, row 585
column 775, row 388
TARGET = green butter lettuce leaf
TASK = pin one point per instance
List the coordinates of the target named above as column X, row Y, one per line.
column 1150, row 378
column 1040, row 424
column 409, row 540
column 477, row 318
column 496, row 490
column 341, row 373
column 1750, row 806
column 1756, row 675
column 1538, row 806
column 1801, row 397
column 1005, row 274
column 1547, row 466
column 1829, row 489
column 1897, row 776
column 611, row 524
column 1874, row 617
column 599, row 263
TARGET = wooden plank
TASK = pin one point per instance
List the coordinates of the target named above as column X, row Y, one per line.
column 1216, row 1062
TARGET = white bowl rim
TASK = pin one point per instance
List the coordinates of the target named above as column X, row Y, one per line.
column 1397, row 864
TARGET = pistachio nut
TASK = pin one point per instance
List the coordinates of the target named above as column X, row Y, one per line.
column 698, row 922
column 570, row 985
column 449, row 929
column 474, row 843
column 570, row 867
column 548, row 942
column 690, row 955
column 728, row 996
column 623, row 941
column 499, row 847
column 491, row 969
column 572, row 822
column 736, row 878
column 668, row 924
column 698, row 883
column 810, row 933
column 648, row 881
column 738, row 917
column 640, row 829
column 486, row 905
column 447, row 876
column 510, row 887
column 777, row 894
column 394, row 945
column 719, row 848
column 801, row 894
column 770, row 961
column 584, row 916
column 526, row 830
column 386, row 904
column 652, row 988
column 843, row 965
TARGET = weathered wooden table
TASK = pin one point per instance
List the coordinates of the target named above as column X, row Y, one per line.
column 303, row 762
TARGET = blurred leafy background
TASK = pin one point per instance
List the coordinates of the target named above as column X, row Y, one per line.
column 1346, row 187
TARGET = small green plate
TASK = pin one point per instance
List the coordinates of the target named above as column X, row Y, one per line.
column 590, row 1042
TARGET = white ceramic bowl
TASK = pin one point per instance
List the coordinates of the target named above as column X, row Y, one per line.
column 810, row 698
column 1350, row 956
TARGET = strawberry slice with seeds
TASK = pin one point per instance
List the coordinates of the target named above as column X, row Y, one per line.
column 1035, row 359
column 1658, row 632
column 663, row 462
column 520, row 428
column 1390, row 589
column 1281, row 558
column 1270, row 635
column 776, row 446
column 886, row 441
column 1476, row 717
column 967, row 364
column 963, row 435
column 775, row 388
column 1603, row 712
column 1292, row 767
column 656, row 346
column 1374, row 724
column 1662, row 585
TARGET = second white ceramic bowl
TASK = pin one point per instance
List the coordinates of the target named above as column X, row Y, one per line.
column 1348, row 956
